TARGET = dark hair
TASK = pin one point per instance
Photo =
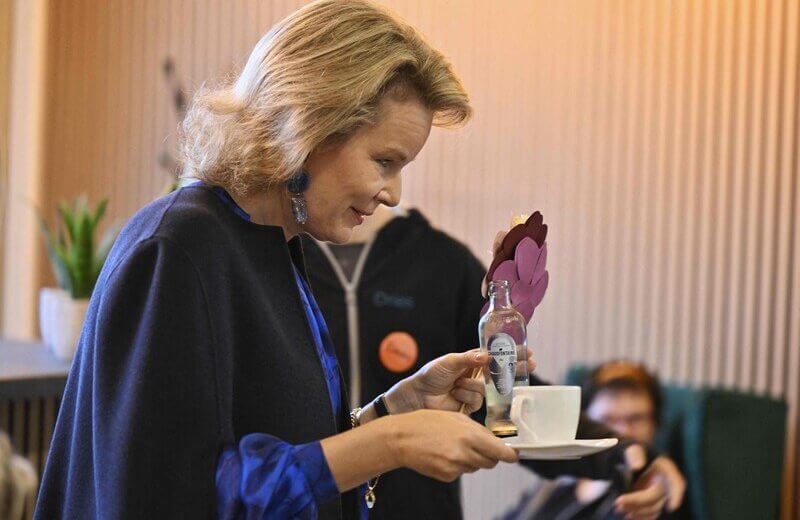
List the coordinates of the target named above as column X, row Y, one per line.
column 623, row 375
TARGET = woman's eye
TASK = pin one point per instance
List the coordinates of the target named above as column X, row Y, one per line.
column 385, row 163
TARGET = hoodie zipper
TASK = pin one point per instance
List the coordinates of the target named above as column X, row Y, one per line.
column 351, row 302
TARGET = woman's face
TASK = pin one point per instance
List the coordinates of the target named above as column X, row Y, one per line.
column 350, row 179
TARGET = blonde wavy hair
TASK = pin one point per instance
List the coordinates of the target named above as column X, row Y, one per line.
column 316, row 76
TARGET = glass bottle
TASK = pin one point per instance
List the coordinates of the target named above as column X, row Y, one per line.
column 502, row 332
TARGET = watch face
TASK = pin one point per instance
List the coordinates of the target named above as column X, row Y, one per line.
column 502, row 362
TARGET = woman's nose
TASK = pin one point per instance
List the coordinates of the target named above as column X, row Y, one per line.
column 391, row 192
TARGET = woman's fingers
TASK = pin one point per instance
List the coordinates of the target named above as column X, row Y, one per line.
column 445, row 445
column 470, row 391
column 474, row 461
column 481, row 461
column 473, row 400
column 471, row 384
column 492, row 447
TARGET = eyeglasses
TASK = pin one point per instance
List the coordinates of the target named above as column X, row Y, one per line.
column 631, row 421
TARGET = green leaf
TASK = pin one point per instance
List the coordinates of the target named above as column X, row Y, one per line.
column 56, row 255
column 82, row 254
column 99, row 213
column 73, row 256
column 67, row 216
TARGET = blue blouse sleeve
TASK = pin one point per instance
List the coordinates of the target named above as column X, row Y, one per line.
column 268, row 478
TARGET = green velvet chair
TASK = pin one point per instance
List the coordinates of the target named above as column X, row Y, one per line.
column 729, row 444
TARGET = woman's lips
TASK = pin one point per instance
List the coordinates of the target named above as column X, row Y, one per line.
column 359, row 215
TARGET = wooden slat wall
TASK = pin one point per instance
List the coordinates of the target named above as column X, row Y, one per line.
column 6, row 16
column 29, row 424
column 659, row 138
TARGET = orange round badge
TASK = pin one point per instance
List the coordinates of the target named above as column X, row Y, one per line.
column 398, row 352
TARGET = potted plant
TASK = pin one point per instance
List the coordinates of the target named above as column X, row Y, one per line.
column 76, row 262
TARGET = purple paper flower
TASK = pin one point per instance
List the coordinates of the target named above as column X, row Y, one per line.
column 534, row 228
column 526, row 277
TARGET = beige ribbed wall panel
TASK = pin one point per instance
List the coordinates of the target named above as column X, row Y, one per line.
column 6, row 16
column 660, row 139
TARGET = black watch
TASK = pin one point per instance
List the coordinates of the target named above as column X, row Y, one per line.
column 379, row 404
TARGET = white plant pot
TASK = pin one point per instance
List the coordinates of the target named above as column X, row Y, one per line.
column 61, row 320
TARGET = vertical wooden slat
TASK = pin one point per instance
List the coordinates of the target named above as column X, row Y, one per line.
column 17, row 425
column 697, row 311
column 50, row 412
column 575, row 319
column 749, row 199
column 636, row 121
column 671, row 281
column 738, row 215
column 33, row 449
column 771, row 225
column 721, row 170
column 655, row 85
column 761, row 178
column 146, row 112
column 5, row 414
column 6, row 16
column 623, row 86
column 594, row 178
column 705, row 315
column 690, row 194
column 791, row 488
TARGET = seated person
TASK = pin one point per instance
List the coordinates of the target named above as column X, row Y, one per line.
column 625, row 397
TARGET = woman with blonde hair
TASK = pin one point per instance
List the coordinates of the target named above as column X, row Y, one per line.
column 205, row 383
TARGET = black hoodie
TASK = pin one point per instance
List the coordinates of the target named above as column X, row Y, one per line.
column 416, row 280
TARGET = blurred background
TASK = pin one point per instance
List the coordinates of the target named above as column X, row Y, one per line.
column 659, row 139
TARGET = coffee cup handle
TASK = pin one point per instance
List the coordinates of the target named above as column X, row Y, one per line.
column 516, row 416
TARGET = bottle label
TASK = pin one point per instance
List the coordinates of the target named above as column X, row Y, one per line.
column 502, row 362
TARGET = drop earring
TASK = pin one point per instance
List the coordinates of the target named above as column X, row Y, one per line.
column 296, row 186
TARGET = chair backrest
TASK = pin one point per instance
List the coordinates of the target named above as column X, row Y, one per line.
column 729, row 444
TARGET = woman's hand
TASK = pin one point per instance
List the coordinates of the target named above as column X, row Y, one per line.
column 444, row 384
column 444, row 445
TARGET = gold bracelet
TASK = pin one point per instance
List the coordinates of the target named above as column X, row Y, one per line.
column 369, row 496
column 355, row 417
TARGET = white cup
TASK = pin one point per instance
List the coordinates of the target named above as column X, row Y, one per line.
column 546, row 414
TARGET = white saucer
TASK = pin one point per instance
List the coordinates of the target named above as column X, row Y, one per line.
column 566, row 450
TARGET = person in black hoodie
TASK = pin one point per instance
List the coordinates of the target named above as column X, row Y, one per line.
column 402, row 293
